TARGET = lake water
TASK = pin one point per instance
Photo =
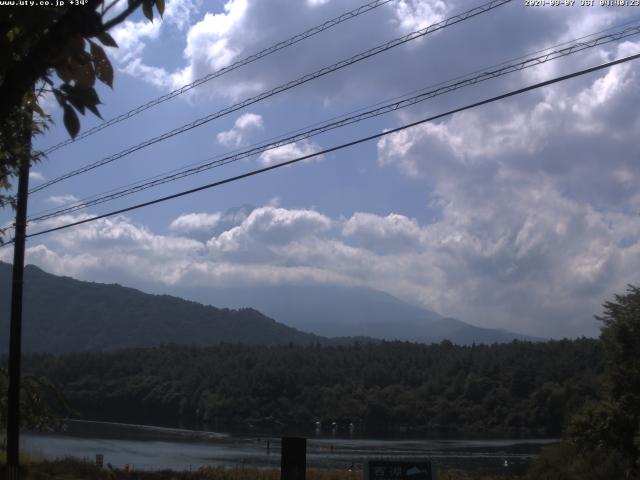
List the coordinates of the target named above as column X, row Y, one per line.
column 153, row 448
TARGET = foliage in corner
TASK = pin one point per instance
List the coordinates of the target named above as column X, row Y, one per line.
column 56, row 50
column 602, row 441
column 42, row 406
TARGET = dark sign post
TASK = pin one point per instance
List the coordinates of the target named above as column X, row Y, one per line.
column 398, row 470
column 293, row 460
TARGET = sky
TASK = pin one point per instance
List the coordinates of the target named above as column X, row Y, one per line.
column 521, row 215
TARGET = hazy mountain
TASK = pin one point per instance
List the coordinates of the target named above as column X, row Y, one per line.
column 348, row 311
column 62, row 314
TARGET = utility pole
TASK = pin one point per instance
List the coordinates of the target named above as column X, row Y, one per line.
column 15, row 334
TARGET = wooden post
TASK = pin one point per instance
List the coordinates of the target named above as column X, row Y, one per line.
column 293, row 459
column 15, row 330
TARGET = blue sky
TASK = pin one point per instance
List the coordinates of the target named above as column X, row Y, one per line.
column 521, row 215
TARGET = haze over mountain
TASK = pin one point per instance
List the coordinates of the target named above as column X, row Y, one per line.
column 62, row 314
column 334, row 311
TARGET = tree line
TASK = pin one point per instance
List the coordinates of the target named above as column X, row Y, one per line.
column 518, row 388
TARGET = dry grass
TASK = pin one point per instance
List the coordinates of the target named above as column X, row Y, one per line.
column 75, row 469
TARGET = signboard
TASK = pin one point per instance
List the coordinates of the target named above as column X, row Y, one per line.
column 293, row 459
column 398, row 470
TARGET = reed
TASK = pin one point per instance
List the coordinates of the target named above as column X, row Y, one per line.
column 75, row 469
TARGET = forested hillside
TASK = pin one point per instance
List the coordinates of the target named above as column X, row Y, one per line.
column 526, row 388
column 64, row 315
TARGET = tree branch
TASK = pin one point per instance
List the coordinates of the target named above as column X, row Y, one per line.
column 123, row 15
column 106, row 9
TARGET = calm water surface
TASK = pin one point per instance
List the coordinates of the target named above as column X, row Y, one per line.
column 153, row 448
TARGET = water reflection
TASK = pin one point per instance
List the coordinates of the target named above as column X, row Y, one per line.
column 152, row 448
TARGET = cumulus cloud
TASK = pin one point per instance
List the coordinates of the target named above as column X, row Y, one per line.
column 35, row 175
column 216, row 40
column 391, row 233
column 204, row 226
column 536, row 199
column 191, row 222
column 62, row 199
column 180, row 13
column 414, row 15
column 132, row 38
column 563, row 132
column 114, row 249
column 244, row 124
column 244, row 27
column 268, row 226
column 529, row 260
column 289, row 152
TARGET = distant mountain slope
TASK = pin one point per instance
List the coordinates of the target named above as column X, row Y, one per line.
column 62, row 315
column 349, row 311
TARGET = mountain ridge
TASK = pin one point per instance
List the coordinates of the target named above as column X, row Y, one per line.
column 62, row 314
column 100, row 317
column 349, row 311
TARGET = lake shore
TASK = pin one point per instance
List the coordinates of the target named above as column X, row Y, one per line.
column 150, row 448
column 76, row 469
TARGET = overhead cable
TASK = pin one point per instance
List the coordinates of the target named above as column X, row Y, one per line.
column 339, row 147
column 214, row 162
column 218, row 73
column 284, row 87
column 353, row 112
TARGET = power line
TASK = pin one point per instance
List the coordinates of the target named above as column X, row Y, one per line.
column 361, row 109
column 218, row 73
column 400, row 97
column 214, row 162
column 342, row 146
column 287, row 86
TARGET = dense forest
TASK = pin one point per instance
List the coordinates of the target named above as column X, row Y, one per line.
column 517, row 388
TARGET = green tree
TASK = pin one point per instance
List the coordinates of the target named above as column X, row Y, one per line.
column 58, row 49
column 603, row 440
column 42, row 406
column 614, row 423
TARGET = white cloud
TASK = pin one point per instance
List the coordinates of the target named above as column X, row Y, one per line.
column 244, row 27
column 62, row 199
column 536, row 201
column 131, row 37
column 118, row 7
column 209, row 46
column 290, row 152
column 528, row 260
column 158, row 77
column 535, row 198
column 391, row 233
column 191, row 222
column 247, row 120
column 267, row 226
column 181, row 12
column 35, row 175
column 244, row 124
column 414, row 15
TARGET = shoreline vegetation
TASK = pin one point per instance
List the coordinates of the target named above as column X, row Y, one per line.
column 516, row 389
column 71, row 468
column 586, row 389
